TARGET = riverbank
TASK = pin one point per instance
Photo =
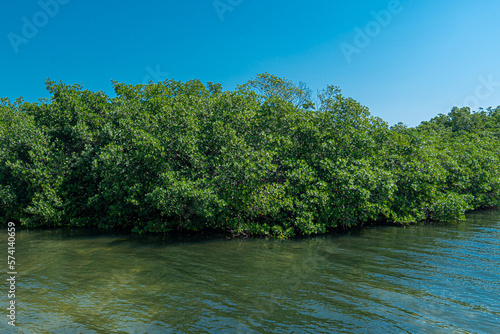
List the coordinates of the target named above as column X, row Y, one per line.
column 208, row 234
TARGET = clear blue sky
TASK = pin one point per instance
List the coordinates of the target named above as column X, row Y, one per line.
column 420, row 60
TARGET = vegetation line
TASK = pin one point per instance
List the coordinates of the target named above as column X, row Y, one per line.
column 265, row 159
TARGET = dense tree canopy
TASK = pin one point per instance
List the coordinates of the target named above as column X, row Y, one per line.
column 266, row 159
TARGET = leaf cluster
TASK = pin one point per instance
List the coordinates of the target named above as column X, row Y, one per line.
column 264, row 159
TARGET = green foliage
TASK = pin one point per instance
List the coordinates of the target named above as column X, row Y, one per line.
column 264, row 159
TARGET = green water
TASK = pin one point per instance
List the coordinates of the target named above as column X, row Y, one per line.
column 441, row 278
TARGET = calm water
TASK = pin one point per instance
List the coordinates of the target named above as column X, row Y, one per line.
column 419, row 279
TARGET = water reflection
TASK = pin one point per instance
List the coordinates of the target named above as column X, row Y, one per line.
column 425, row 278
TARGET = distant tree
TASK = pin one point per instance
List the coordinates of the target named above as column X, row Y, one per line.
column 269, row 86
